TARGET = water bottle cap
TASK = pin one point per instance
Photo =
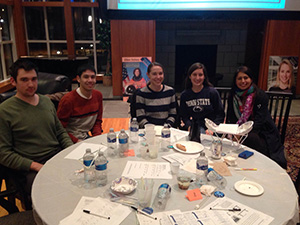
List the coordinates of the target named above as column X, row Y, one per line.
column 210, row 169
column 202, row 153
column 122, row 130
column 88, row 150
column 111, row 129
column 219, row 194
column 134, row 119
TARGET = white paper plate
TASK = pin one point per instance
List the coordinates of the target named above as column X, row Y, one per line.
column 192, row 147
column 124, row 185
column 249, row 188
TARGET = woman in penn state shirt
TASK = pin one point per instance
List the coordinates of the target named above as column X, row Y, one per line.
column 200, row 100
column 247, row 102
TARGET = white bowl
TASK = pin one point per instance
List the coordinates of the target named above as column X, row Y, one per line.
column 124, row 185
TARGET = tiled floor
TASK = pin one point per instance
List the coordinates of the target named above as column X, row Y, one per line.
column 114, row 107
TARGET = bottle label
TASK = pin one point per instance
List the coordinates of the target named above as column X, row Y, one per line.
column 101, row 167
column 111, row 140
column 123, row 140
column 164, row 135
column 202, row 167
column 87, row 162
column 164, row 190
column 165, row 185
column 134, row 129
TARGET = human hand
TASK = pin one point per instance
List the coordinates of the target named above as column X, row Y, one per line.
column 209, row 132
column 35, row 166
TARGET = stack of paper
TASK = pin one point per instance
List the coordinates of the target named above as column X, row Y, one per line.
column 97, row 206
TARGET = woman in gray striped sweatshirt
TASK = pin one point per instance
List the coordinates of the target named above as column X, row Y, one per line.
column 156, row 103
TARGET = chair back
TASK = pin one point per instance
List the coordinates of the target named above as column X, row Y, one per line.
column 279, row 107
column 224, row 94
column 132, row 101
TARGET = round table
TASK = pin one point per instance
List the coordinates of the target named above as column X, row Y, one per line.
column 54, row 197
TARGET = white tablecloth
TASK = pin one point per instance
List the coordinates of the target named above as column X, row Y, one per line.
column 54, row 197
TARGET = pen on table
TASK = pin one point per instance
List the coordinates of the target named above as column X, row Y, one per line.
column 94, row 214
column 232, row 210
column 250, row 169
column 144, row 213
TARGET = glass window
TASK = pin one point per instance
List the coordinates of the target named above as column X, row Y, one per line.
column 8, row 55
column 101, row 59
column 35, row 23
column 37, row 49
column 56, row 23
column 82, row 22
column 86, row 50
column 58, row 50
column 4, row 23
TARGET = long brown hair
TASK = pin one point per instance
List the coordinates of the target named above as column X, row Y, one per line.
column 195, row 66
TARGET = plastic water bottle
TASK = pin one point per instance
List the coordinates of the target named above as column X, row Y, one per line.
column 134, row 130
column 162, row 197
column 216, row 178
column 100, row 169
column 166, row 137
column 202, row 169
column 123, row 143
column 88, row 167
column 111, row 142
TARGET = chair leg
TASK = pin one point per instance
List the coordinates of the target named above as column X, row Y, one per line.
column 8, row 206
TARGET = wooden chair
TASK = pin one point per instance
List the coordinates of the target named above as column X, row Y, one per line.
column 14, row 189
column 279, row 108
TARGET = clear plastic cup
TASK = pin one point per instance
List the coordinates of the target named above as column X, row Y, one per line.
column 144, row 192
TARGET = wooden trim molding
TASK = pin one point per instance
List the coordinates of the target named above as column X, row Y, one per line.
column 69, row 29
column 130, row 38
column 6, row 2
column 85, row 4
column 19, row 28
column 41, row 4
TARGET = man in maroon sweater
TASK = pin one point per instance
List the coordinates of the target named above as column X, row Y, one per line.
column 80, row 111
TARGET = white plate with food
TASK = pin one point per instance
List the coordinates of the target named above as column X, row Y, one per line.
column 124, row 185
column 188, row 147
column 249, row 188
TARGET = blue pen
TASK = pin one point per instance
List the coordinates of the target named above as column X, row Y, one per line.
column 173, row 219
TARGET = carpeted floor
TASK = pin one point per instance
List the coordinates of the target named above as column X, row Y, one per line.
column 292, row 146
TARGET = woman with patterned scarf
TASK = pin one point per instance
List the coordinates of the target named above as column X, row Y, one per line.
column 247, row 102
